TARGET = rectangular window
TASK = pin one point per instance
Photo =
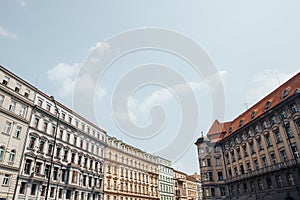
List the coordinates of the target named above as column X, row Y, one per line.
column 264, row 161
column 288, row 131
column 273, row 158
column 223, row 191
column 249, row 167
column 6, row 180
column 252, row 149
column 208, row 163
column 245, row 151
column 273, row 120
column 22, row 188
column 279, row 181
column 218, row 161
column 269, row 182
column 220, row 176
column 1, row 99
column 278, row 136
column 18, row 131
column 36, row 122
column 12, row 106
column 256, row 164
column 295, row 152
column 33, row 189
column 213, row 193
column 268, row 140
column 7, row 128
column 283, row 155
column 27, row 167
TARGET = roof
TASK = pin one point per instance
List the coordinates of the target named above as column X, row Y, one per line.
column 217, row 127
column 273, row 99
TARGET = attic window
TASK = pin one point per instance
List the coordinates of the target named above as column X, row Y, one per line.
column 241, row 122
column 253, row 114
column 297, row 91
column 268, row 104
column 285, row 93
column 230, row 129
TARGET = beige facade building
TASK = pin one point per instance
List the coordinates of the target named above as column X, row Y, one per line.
column 63, row 157
column 258, row 151
column 130, row 174
column 16, row 102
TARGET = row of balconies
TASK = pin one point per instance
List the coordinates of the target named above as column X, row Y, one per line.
column 272, row 168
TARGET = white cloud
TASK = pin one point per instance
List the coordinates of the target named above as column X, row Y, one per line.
column 63, row 75
column 7, row 34
column 264, row 83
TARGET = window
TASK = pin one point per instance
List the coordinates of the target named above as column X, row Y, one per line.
column 74, row 176
column 295, row 152
column 210, row 176
column 288, row 131
column 283, row 155
column 12, row 106
column 242, row 169
column 45, row 126
column 239, row 153
column 245, row 150
column 33, row 189
column 260, row 185
column 269, row 182
column 36, row 122
column 208, row 163
column 273, row 119
column 277, row 136
column 273, row 158
column 5, row 80
column 58, row 150
column 52, row 189
column 283, row 115
column 7, row 128
column 285, row 93
column 18, row 131
column 279, row 181
column 218, row 161
column 232, row 156
column 47, row 170
column 18, row 87
column 42, row 145
column 290, row 179
column 1, row 99
column 2, row 148
column 268, row 104
column 252, row 149
column 256, row 164
column 50, row 149
column 26, row 93
column 22, row 188
column 268, row 140
column 203, row 163
column 55, row 173
column 213, row 193
column 223, row 191
column 27, row 167
column 6, row 180
column 248, row 167
column 264, row 161
column 12, row 156
column 253, row 114
column 294, row 108
column 37, row 168
column 220, row 176
column 235, row 171
column 31, row 142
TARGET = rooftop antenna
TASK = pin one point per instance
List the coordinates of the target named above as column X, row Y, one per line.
column 246, row 105
column 202, row 134
column 277, row 78
column 36, row 82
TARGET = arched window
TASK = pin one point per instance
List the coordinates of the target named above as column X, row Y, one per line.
column 12, row 155
column 2, row 148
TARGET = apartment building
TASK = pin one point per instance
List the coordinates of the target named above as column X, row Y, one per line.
column 165, row 179
column 259, row 150
column 64, row 155
column 16, row 102
column 130, row 173
column 180, row 185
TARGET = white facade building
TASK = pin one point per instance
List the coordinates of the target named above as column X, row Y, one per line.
column 16, row 102
column 165, row 179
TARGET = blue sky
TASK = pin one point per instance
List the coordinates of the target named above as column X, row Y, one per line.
column 253, row 44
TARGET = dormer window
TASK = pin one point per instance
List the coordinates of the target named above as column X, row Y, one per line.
column 285, row 93
column 297, row 91
column 241, row 122
column 230, row 129
column 5, row 80
column 26, row 94
column 17, row 88
column 253, row 114
column 268, row 104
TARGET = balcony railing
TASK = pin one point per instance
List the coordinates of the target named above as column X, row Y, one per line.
column 272, row 168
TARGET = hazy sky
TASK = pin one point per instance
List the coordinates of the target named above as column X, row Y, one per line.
column 253, row 44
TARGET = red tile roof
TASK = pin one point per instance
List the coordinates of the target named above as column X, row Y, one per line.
column 273, row 99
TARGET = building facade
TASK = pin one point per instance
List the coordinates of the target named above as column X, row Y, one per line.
column 64, row 155
column 130, row 174
column 180, row 185
column 260, row 148
column 165, row 179
column 16, row 102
